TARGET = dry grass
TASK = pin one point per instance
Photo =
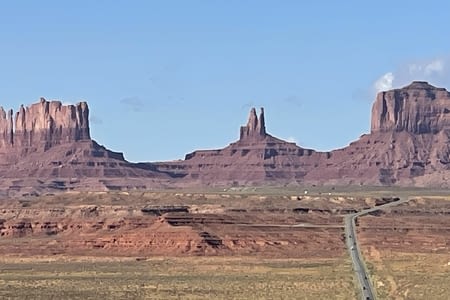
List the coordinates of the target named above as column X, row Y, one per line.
column 177, row 278
column 411, row 276
column 396, row 276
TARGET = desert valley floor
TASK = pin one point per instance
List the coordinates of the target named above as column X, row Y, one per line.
column 261, row 218
column 260, row 243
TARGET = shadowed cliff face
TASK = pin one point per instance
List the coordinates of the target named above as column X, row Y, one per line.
column 417, row 108
column 43, row 125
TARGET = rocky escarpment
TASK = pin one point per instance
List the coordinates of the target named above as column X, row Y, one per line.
column 149, row 224
column 257, row 157
column 409, row 144
column 47, row 146
column 43, row 125
column 417, row 108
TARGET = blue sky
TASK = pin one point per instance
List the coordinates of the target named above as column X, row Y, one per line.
column 163, row 78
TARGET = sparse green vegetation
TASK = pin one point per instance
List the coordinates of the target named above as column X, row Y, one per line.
column 178, row 278
column 395, row 275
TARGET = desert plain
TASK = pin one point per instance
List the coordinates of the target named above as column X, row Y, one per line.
column 235, row 243
column 261, row 218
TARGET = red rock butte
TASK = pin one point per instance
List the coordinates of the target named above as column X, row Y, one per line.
column 43, row 125
column 47, row 147
column 408, row 145
column 417, row 108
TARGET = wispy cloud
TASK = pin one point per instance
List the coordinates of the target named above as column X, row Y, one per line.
column 435, row 71
column 134, row 103
column 427, row 69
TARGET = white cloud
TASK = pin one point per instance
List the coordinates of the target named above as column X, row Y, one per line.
column 413, row 68
column 435, row 71
column 384, row 82
column 427, row 68
column 436, row 66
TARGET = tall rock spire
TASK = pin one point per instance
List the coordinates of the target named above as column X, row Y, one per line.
column 6, row 128
column 261, row 124
column 256, row 128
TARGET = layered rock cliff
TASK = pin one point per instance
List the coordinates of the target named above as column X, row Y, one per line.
column 417, row 108
column 409, row 144
column 43, row 125
column 47, row 146
column 257, row 157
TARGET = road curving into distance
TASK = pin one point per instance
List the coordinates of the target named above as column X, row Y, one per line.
column 351, row 242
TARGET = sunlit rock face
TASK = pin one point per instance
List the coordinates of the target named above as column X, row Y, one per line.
column 43, row 125
column 47, row 147
column 417, row 108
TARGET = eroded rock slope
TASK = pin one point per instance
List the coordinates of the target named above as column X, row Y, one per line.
column 47, row 146
column 408, row 145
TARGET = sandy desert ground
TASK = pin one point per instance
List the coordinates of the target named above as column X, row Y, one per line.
column 252, row 244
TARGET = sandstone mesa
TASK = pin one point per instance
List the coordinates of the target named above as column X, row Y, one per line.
column 48, row 147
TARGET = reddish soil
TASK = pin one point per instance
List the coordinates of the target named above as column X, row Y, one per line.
column 418, row 226
column 174, row 230
column 256, row 225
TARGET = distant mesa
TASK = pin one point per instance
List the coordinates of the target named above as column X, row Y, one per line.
column 47, row 147
column 256, row 158
column 408, row 145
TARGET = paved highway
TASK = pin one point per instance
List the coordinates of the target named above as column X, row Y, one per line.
column 351, row 242
column 353, row 248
